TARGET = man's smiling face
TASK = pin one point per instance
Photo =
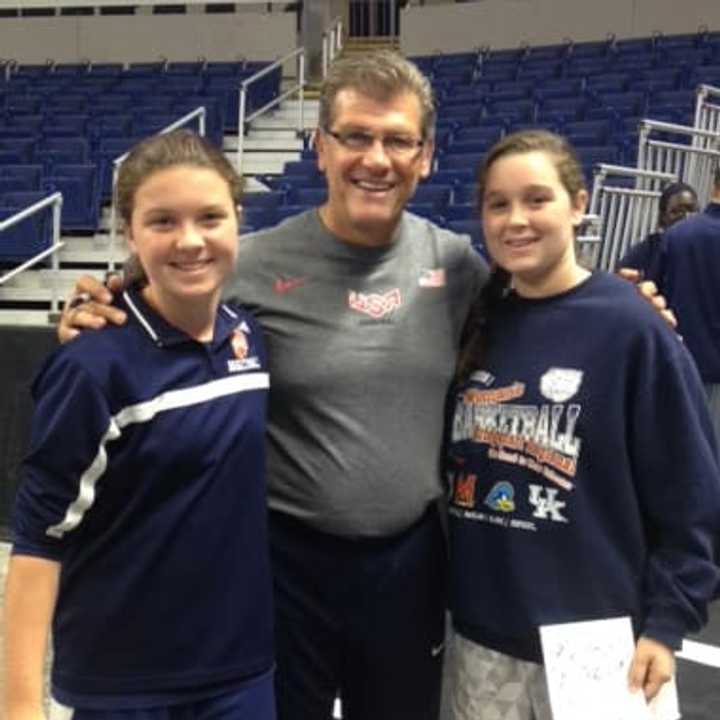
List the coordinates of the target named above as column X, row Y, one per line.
column 368, row 188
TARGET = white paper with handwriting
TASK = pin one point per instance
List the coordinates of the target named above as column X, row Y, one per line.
column 587, row 667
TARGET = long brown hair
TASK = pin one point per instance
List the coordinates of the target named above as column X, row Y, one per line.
column 474, row 337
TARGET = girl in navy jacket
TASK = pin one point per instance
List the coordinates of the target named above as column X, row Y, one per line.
column 140, row 526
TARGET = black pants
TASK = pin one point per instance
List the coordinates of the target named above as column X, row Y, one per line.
column 362, row 618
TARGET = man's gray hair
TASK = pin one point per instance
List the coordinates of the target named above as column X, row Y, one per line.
column 381, row 75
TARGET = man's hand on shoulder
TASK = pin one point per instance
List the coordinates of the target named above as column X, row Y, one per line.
column 649, row 290
column 89, row 307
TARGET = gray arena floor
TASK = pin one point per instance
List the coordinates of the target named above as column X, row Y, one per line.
column 698, row 684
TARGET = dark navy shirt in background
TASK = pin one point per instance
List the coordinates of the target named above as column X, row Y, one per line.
column 145, row 479
column 647, row 256
column 692, row 286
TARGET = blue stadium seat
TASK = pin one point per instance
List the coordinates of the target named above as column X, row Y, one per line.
column 465, row 194
column 29, row 237
column 464, row 211
column 16, row 151
column 482, row 134
column 514, row 110
column 437, row 195
column 426, row 210
column 586, row 67
column 589, row 49
column 608, row 82
column 30, row 173
column 286, row 211
column 458, row 176
column 269, row 199
column 66, row 126
column 23, row 240
column 633, row 62
column 30, row 122
column 70, row 149
column 107, row 151
column 540, row 72
column 80, row 187
column 308, row 197
column 567, row 109
column 473, row 228
column 254, row 218
column 560, row 88
column 498, row 73
column 301, row 167
column 593, row 154
column 470, row 146
column 459, row 161
column 588, row 132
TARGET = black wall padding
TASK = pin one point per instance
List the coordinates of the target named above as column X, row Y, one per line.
column 22, row 351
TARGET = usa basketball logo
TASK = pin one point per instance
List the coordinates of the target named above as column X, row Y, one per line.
column 239, row 344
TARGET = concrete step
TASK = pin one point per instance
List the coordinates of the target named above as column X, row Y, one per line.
column 95, row 250
column 266, row 166
column 24, row 294
column 266, row 140
column 25, row 318
column 43, row 278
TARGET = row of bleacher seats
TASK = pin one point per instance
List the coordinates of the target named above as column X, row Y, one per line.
column 23, row 185
column 450, row 205
column 573, row 60
column 595, row 93
column 600, row 113
column 105, row 91
column 61, row 128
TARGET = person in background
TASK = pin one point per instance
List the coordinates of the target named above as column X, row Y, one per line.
column 677, row 201
column 140, row 527
column 692, row 279
column 583, row 484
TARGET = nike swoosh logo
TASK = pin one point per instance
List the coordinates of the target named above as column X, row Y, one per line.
column 437, row 649
column 283, row 286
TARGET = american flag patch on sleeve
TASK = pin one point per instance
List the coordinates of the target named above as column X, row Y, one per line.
column 432, row 278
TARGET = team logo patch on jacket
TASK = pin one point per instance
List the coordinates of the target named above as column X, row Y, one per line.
column 239, row 343
column 464, row 494
column 560, row 384
column 241, row 347
column 501, row 497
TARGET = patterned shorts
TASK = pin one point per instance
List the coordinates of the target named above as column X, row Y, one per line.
column 482, row 684
column 713, row 397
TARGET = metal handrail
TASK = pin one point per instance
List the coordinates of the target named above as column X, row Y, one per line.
column 199, row 112
column 332, row 42
column 299, row 88
column 56, row 200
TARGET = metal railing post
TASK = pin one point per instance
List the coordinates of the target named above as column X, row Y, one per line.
column 244, row 118
column 113, row 213
column 241, row 130
column 301, row 80
column 55, row 276
column 326, row 58
column 54, row 200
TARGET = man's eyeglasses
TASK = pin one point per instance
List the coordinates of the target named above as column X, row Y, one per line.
column 400, row 146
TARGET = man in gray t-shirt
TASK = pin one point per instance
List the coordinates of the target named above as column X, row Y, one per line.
column 362, row 305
